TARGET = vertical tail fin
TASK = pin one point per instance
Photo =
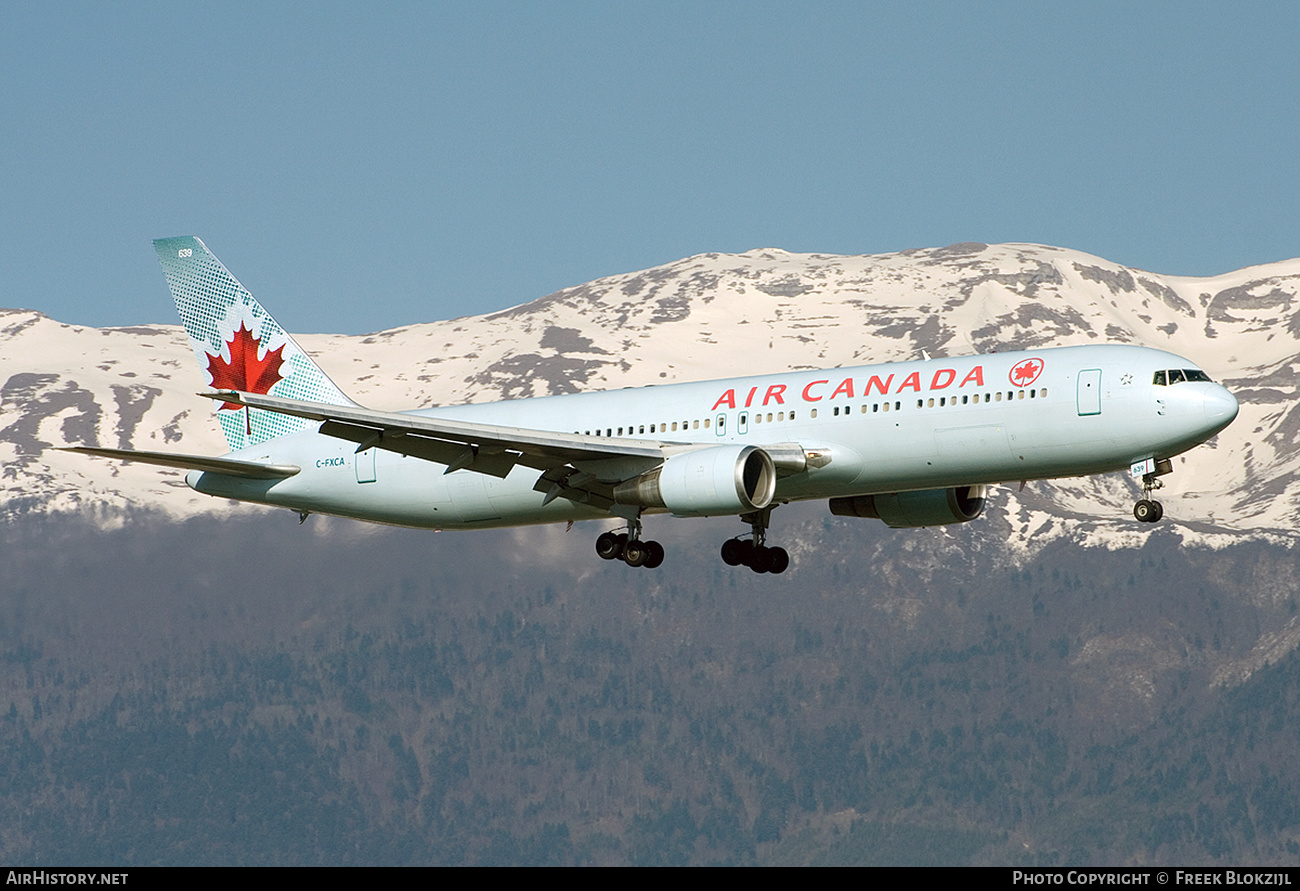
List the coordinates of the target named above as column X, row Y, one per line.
column 238, row 345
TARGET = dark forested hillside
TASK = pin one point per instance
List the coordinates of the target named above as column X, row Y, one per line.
column 254, row 692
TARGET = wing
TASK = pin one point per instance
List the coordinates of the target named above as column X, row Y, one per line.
column 486, row 448
column 577, row 467
column 482, row 448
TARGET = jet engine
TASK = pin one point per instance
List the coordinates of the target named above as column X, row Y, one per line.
column 928, row 507
column 710, row 482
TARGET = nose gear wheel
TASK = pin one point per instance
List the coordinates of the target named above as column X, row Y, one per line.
column 1148, row 510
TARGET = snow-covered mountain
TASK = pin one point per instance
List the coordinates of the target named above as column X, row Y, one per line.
column 708, row 316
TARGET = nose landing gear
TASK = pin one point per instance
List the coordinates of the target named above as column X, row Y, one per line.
column 1148, row 510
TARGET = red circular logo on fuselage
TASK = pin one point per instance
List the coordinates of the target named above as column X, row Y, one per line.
column 1025, row 372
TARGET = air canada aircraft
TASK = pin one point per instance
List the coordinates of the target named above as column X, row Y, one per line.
column 910, row 443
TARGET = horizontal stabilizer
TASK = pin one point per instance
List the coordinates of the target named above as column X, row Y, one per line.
column 227, row 466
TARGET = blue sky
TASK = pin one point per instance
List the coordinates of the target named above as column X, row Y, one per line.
column 365, row 166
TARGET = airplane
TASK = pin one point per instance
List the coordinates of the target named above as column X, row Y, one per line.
column 913, row 444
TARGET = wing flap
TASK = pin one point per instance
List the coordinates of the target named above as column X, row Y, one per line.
column 576, row 486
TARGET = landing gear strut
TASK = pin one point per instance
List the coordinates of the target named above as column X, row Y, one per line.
column 754, row 552
column 1148, row 510
column 628, row 547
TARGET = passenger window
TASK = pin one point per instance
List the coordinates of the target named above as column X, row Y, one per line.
column 813, row 413
column 706, row 423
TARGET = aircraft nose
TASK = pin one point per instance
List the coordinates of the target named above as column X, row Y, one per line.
column 1220, row 407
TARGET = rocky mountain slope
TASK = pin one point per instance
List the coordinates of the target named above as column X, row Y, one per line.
column 708, row 316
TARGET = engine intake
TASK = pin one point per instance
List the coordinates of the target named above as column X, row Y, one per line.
column 710, row 482
column 928, row 507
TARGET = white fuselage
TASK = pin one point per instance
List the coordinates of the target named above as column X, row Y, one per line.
column 929, row 424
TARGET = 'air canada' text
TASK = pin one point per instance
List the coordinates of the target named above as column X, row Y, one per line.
column 816, row 391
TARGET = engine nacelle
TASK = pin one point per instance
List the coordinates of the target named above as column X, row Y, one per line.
column 928, row 507
column 712, row 482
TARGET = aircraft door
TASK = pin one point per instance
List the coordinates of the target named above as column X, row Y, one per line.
column 742, row 423
column 720, row 425
column 1089, row 395
column 365, row 465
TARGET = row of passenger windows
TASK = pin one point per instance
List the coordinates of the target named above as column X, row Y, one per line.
column 988, row 397
column 759, row 417
column 1180, row 375
column 943, row 401
column 685, row 425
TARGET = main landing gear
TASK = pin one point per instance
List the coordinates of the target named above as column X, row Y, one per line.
column 754, row 552
column 1148, row 510
column 628, row 547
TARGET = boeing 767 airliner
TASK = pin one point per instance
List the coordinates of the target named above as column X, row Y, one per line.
column 910, row 443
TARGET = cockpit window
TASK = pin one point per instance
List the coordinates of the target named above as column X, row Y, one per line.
column 1179, row 376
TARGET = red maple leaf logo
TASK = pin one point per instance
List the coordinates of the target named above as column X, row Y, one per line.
column 1025, row 372
column 245, row 372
